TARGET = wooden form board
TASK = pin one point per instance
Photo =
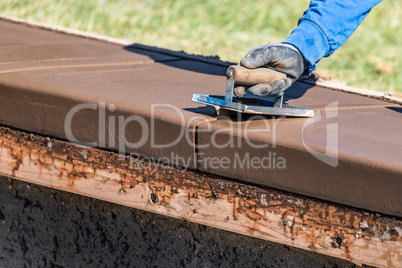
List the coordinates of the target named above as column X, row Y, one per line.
column 359, row 236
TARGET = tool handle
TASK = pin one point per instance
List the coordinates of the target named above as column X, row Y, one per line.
column 251, row 77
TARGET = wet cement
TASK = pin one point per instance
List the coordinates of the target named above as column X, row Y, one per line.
column 44, row 74
column 43, row 227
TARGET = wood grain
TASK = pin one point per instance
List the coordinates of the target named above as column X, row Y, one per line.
column 359, row 236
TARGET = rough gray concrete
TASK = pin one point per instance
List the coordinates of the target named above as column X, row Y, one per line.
column 43, row 227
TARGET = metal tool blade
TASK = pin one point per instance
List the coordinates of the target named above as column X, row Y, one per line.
column 285, row 110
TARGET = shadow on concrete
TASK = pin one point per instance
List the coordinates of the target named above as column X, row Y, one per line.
column 202, row 110
column 395, row 109
column 210, row 65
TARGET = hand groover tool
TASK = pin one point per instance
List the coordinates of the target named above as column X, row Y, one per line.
column 238, row 76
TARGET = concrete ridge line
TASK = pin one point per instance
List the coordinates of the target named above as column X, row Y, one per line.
column 362, row 92
column 358, row 107
column 113, row 40
column 127, row 63
column 384, row 96
column 65, row 30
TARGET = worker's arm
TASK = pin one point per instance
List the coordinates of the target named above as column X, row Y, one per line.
column 324, row 27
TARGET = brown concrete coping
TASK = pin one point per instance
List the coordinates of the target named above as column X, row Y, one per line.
column 44, row 75
column 39, row 90
column 364, row 172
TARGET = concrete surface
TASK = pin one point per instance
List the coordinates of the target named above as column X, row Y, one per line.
column 38, row 89
column 43, row 227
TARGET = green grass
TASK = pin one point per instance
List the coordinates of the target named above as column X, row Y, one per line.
column 371, row 58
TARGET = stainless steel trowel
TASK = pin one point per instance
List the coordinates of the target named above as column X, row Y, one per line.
column 240, row 76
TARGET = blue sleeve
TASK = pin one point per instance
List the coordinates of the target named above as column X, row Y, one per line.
column 326, row 25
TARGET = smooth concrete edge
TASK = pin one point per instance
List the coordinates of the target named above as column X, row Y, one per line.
column 82, row 98
column 358, row 163
column 88, row 120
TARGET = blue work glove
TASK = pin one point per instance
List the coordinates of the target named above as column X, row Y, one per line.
column 281, row 57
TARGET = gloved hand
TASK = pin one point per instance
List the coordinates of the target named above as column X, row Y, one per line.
column 284, row 58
